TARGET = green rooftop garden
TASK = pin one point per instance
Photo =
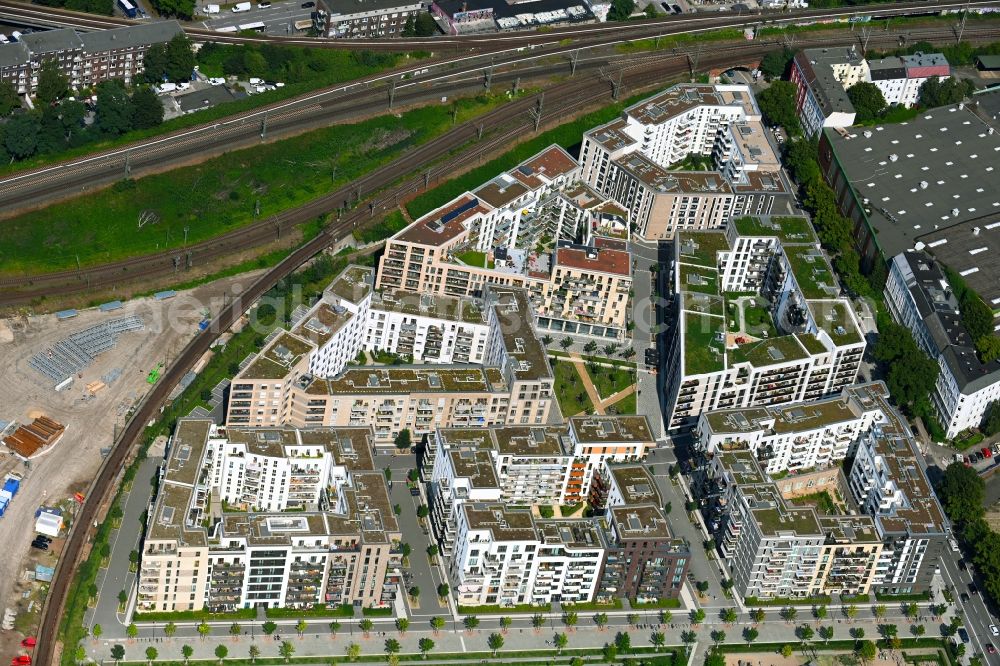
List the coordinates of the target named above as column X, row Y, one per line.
column 701, row 247
column 811, row 343
column 474, row 258
column 768, row 352
column 703, row 303
column 833, row 317
column 786, row 229
column 801, row 521
column 693, row 162
column 812, row 271
column 701, row 280
column 703, row 351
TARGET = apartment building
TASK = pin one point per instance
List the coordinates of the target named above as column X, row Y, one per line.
column 888, row 481
column 822, row 77
column 792, row 340
column 777, row 549
column 85, row 59
column 920, row 298
column 367, row 18
column 900, row 77
column 653, row 160
column 645, row 561
column 534, row 227
column 221, row 535
column 514, row 386
column 793, row 438
column 506, row 556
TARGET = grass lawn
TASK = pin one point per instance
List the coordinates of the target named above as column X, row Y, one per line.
column 624, row 406
column 821, row 500
column 474, row 258
column 572, row 396
column 609, row 381
column 702, row 351
column 216, row 196
column 388, row 227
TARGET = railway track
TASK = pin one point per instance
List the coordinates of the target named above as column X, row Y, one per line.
column 17, row 290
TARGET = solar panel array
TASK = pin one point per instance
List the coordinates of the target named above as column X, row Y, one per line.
column 71, row 355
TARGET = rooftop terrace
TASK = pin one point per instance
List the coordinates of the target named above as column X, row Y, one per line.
column 599, row 430
column 812, row 271
column 404, row 379
column 701, row 248
column 277, row 358
column 788, row 230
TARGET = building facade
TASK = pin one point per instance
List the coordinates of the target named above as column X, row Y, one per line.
column 367, row 18
column 822, row 77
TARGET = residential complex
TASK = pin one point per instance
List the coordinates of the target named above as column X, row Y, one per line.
column 535, row 227
column 497, row 554
column 759, row 320
column 365, row 18
column 464, row 17
column 885, row 533
column 823, row 76
column 301, row 377
column 922, row 185
column 921, row 299
column 793, row 438
column 268, row 518
column 691, row 157
column 85, row 59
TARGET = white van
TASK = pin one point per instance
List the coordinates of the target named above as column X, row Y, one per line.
column 241, row 7
column 212, row 9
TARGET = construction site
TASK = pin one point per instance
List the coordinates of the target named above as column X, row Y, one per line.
column 71, row 380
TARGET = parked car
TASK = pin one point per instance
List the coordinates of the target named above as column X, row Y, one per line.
column 308, row 5
column 965, row 597
column 990, row 648
column 973, row 588
column 963, row 634
column 986, row 452
column 415, row 491
column 994, row 630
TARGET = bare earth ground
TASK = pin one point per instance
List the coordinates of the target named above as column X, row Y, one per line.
column 54, row 475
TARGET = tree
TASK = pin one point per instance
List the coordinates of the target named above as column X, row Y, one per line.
column 867, row 650
column 353, row 651
column 777, row 106
column 757, row 615
column 546, row 511
column 728, row 615
column 402, row 624
column 21, row 138
column 114, row 108
column 96, row 632
column 495, row 642
column 610, row 652
column 688, row 637
column 505, row 623
column 9, row 99
column 991, row 419
column 221, row 652
column 404, row 549
column 857, row 633
column 235, row 629
column 117, row 652
column 888, row 630
column 437, row 624
column 666, row 617
column 697, row 616
column 718, row 636
column 334, row 628
column 621, row 10
column 391, row 646
column 702, row 587
column 269, row 627
column 868, row 101
column 988, row 347
column 52, row 83
column 169, row 629
column 560, row 641
column 254, row 652
column 186, row 652
column 658, row 639
column 566, row 342
column 941, row 93
column 804, row 633
column 300, row 627
column 826, row 633
column 366, row 626
column 786, row 650
column 570, row 619
column 788, row 613
column 537, row 620
column 623, row 642
column 634, row 619
column 414, row 592
column 132, row 631
column 750, row 634
column 443, row 590
column 425, row 25
column 147, row 110
column 590, row 347
column 470, row 622
column 402, row 440
column 425, row 645
column 879, row 611
column 819, row 612
column 286, row 650
column 918, row 630
column 775, row 63
column 151, row 654
column 851, row 612
column 601, row 620
column 962, row 491
column 423, row 512
column 80, row 654
column 546, row 339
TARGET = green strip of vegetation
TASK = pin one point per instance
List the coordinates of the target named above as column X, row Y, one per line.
column 821, row 600
column 184, row 206
column 344, row 610
column 661, row 603
column 615, row 604
column 387, row 227
column 191, row 616
column 501, row 610
column 569, row 388
column 922, row 596
column 376, row 612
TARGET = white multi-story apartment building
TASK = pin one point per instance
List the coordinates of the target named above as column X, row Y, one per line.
column 920, row 298
column 808, row 435
column 220, row 535
column 534, row 227
column 792, row 340
column 900, row 77
column 888, row 482
column 690, row 157
column 507, row 556
column 822, row 77
column 513, row 386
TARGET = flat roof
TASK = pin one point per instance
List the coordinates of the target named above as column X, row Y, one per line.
column 474, row 464
column 635, row 483
column 603, row 429
column 410, row 379
column 701, row 248
column 789, row 229
column 683, row 97
column 529, row 440
column 278, row 357
column 444, row 224
column 320, row 323
column 640, row 521
column 812, row 271
column 968, row 249
column 922, row 177
column 465, row 309
column 505, row 524
column 514, row 313
column 353, row 283
column 595, row 259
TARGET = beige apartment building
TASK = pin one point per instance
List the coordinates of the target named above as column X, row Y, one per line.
column 204, row 553
column 514, row 386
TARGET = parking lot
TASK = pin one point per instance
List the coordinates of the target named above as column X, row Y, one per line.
column 272, row 18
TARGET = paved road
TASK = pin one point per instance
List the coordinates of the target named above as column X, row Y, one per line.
column 278, row 19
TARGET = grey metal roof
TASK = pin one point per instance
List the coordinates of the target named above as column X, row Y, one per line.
column 52, row 41
column 818, row 66
column 12, row 55
column 130, row 36
column 924, row 176
column 925, row 60
column 347, row 7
